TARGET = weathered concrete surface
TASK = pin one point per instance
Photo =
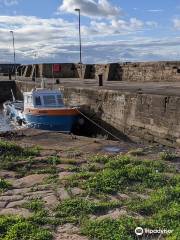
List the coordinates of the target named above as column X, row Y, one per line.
column 155, row 118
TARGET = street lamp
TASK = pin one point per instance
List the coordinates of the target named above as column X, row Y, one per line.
column 14, row 52
column 80, row 47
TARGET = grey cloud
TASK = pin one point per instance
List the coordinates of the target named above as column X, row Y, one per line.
column 56, row 40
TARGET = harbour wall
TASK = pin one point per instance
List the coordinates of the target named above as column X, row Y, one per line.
column 140, row 117
column 129, row 72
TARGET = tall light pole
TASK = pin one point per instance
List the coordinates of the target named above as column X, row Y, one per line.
column 80, row 43
column 14, row 52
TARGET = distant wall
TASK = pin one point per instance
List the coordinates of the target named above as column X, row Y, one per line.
column 145, row 72
column 131, row 72
column 66, row 70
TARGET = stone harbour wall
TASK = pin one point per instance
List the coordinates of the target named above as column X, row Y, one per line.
column 130, row 72
column 153, row 118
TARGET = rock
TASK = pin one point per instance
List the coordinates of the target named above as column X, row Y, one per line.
column 13, row 211
column 142, row 196
column 15, row 204
column 63, row 194
column 68, row 228
column 123, row 196
column 39, row 194
column 65, row 175
column 47, row 153
column 51, row 200
column 77, row 191
column 11, row 198
column 64, row 167
column 8, row 174
column 65, row 236
column 3, row 204
column 114, row 214
column 29, row 181
column 20, row 191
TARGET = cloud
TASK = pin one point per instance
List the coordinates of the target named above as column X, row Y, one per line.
column 176, row 23
column 9, row 2
column 155, row 10
column 56, row 40
column 152, row 24
column 91, row 8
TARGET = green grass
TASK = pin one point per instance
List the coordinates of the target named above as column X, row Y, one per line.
column 16, row 228
column 76, row 209
column 4, row 185
column 99, row 158
column 167, row 156
column 124, row 172
column 34, row 205
column 11, row 153
column 54, row 160
column 12, row 149
column 109, row 229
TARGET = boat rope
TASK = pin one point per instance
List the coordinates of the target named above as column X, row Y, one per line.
column 96, row 124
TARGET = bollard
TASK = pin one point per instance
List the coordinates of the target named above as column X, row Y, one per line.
column 100, row 80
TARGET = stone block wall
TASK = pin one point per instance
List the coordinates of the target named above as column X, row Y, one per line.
column 154, row 118
column 145, row 72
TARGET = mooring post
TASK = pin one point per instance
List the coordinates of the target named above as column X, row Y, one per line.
column 100, row 80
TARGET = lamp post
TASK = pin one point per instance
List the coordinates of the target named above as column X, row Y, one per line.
column 14, row 52
column 80, row 44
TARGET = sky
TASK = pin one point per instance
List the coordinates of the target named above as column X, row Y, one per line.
column 112, row 30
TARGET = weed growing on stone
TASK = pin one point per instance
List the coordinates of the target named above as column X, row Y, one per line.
column 4, row 185
column 76, row 209
column 16, row 228
column 109, row 229
column 34, row 205
column 137, row 152
column 100, row 158
column 167, row 156
column 54, row 160
column 123, row 173
column 12, row 149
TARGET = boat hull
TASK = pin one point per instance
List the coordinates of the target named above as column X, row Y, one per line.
column 62, row 123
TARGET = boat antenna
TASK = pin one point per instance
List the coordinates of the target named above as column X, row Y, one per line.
column 13, row 97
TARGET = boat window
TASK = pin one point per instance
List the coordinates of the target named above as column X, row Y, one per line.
column 38, row 101
column 49, row 100
column 29, row 99
column 59, row 99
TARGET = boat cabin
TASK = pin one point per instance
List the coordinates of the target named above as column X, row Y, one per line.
column 41, row 98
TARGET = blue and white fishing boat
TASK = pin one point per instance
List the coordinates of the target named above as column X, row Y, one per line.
column 43, row 109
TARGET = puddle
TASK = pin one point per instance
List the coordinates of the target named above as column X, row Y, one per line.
column 114, row 149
